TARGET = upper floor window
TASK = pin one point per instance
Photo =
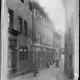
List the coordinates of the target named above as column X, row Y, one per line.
column 46, row 23
column 22, row 1
column 20, row 23
column 54, row 45
column 11, row 15
column 30, row 5
column 25, row 28
column 50, row 42
column 41, row 19
column 34, row 13
column 43, row 36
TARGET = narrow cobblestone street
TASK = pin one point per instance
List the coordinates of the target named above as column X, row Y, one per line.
column 52, row 73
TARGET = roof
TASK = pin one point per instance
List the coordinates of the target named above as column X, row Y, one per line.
column 36, row 5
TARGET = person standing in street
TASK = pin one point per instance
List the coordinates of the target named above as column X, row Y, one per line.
column 35, row 70
column 57, row 62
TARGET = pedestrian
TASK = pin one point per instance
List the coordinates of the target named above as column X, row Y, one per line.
column 60, row 54
column 48, row 65
column 57, row 62
column 35, row 70
column 50, row 61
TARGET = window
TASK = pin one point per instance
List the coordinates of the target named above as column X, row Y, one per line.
column 37, row 36
column 50, row 42
column 25, row 28
column 30, row 5
column 47, row 40
column 41, row 19
column 44, row 40
column 58, row 45
column 34, row 36
column 11, row 14
column 23, row 53
column 12, row 56
column 34, row 13
column 22, row 1
column 46, row 23
column 41, row 37
column 20, row 24
column 54, row 45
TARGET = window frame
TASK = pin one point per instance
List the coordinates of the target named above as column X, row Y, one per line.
column 22, row 1
column 25, row 27
column 11, row 17
column 20, row 24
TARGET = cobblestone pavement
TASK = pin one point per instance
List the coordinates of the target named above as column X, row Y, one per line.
column 52, row 73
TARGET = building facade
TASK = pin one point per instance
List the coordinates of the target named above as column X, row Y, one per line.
column 19, row 36
column 30, row 37
column 42, row 36
column 57, row 43
column 71, row 58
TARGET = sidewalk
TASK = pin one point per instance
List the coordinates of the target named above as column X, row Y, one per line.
column 51, row 73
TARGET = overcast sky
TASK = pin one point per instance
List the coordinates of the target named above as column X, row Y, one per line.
column 55, row 10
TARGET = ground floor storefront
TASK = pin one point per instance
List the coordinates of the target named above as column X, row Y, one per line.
column 43, row 55
column 21, row 60
column 51, row 73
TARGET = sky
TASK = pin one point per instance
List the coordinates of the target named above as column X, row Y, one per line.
column 55, row 10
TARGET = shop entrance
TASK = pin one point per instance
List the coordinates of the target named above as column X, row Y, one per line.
column 12, row 55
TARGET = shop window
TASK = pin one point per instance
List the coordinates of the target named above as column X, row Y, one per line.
column 25, row 28
column 20, row 23
column 11, row 14
column 26, row 53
